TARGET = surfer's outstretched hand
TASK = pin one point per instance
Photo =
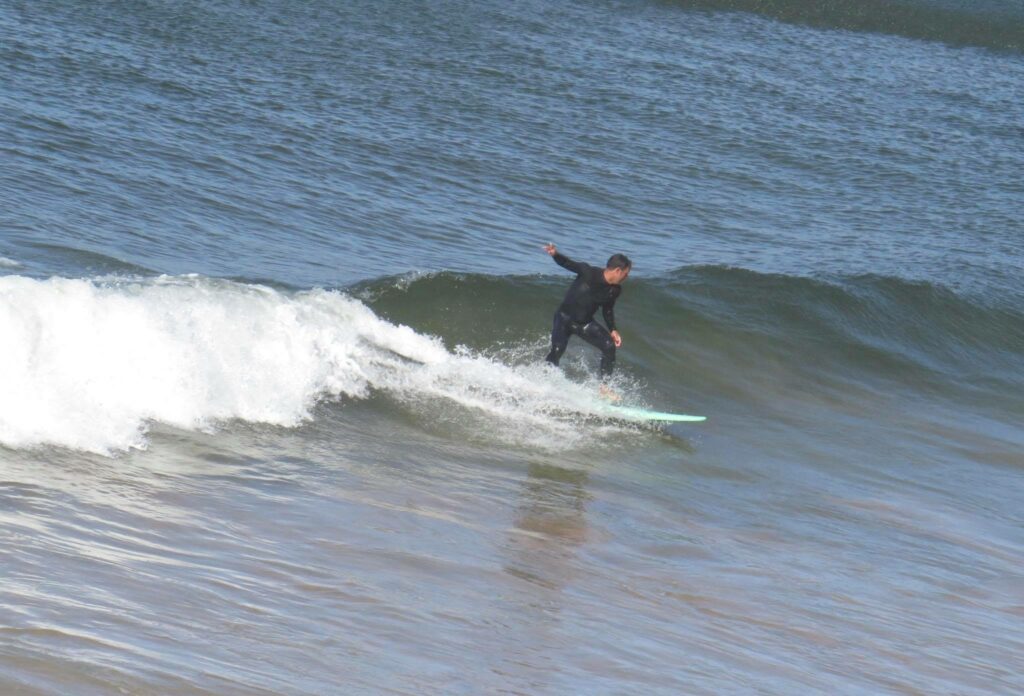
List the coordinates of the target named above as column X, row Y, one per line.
column 550, row 248
column 617, row 338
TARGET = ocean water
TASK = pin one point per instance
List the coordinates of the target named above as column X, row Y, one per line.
column 274, row 417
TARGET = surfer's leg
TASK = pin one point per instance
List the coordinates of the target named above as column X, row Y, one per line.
column 598, row 336
column 560, row 331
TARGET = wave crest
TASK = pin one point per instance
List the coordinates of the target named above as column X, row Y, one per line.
column 89, row 365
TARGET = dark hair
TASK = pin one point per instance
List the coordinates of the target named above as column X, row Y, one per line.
column 620, row 261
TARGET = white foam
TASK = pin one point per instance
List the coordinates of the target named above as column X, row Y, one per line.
column 90, row 364
column 8, row 263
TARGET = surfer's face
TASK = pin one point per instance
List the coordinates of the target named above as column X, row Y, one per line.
column 615, row 276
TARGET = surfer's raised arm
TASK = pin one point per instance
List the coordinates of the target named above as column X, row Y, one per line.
column 563, row 260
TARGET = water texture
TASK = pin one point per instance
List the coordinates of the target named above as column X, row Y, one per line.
column 274, row 417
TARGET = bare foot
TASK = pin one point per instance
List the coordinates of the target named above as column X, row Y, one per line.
column 608, row 394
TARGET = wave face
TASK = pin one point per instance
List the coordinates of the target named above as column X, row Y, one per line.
column 724, row 328
column 997, row 24
column 89, row 365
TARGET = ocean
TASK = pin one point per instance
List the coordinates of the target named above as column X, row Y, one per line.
column 274, row 414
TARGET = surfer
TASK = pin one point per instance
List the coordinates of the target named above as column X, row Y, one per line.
column 593, row 288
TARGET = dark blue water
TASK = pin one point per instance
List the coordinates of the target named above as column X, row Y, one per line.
column 273, row 303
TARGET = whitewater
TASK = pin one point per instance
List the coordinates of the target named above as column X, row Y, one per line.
column 91, row 363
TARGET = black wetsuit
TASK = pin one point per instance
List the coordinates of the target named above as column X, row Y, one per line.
column 576, row 313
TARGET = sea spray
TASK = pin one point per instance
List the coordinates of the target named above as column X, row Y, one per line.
column 91, row 364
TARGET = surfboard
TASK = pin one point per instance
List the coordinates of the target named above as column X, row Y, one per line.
column 642, row 414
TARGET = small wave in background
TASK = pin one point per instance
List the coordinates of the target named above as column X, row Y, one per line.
column 997, row 24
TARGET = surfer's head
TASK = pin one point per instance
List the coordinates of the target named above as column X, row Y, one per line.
column 617, row 269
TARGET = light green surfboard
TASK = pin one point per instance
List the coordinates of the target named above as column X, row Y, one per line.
column 642, row 414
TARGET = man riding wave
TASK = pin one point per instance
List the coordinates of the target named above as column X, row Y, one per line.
column 592, row 288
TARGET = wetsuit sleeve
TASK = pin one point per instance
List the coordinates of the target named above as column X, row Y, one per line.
column 565, row 262
column 607, row 309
